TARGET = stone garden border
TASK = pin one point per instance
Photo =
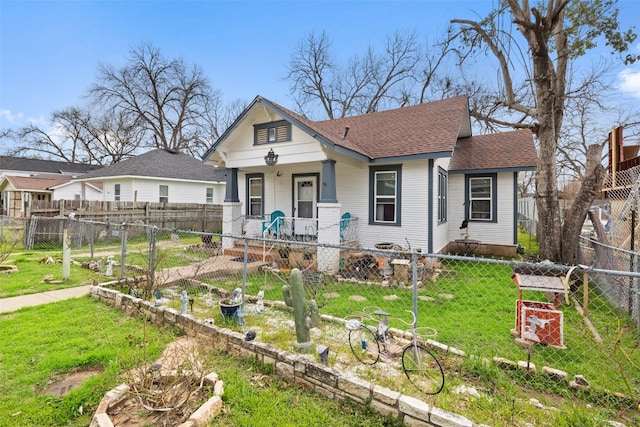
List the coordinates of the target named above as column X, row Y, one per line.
column 292, row 367
column 307, row 373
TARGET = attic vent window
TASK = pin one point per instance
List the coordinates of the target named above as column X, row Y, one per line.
column 267, row 133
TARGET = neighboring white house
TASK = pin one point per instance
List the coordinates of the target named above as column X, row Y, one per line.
column 159, row 175
column 411, row 176
column 23, row 180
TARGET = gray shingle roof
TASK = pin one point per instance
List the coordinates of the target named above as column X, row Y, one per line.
column 42, row 166
column 160, row 163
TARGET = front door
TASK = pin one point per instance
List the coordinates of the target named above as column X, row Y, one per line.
column 304, row 205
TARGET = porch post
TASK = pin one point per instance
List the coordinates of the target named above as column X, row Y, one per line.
column 329, row 234
column 231, row 222
column 328, row 186
column 231, row 209
column 231, row 188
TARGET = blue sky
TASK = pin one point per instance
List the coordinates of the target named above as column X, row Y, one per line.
column 50, row 50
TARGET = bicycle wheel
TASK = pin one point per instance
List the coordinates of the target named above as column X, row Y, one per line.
column 364, row 345
column 423, row 369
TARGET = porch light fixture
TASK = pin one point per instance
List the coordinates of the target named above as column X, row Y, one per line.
column 271, row 158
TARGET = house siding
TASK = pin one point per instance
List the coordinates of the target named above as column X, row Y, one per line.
column 499, row 232
column 69, row 192
column 302, row 147
column 441, row 230
column 354, row 197
column 148, row 190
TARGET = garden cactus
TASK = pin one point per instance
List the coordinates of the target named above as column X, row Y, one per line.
column 305, row 315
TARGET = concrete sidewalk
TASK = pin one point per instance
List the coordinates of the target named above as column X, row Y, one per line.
column 15, row 303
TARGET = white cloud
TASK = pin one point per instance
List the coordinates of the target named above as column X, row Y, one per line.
column 8, row 117
column 11, row 119
column 630, row 82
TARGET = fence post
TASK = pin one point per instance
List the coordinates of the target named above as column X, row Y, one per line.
column 244, row 268
column 66, row 254
column 91, row 231
column 153, row 256
column 414, row 268
column 123, row 250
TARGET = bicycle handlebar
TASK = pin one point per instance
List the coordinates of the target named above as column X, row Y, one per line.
column 413, row 321
column 369, row 311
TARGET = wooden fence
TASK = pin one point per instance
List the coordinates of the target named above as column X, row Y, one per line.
column 182, row 216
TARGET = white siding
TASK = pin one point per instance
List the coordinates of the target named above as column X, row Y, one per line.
column 498, row 233
column 148, row 190
column 353, row 193
column 70, row 190
column 441, row 231
column 239, row 150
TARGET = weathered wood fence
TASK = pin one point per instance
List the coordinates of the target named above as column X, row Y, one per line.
column 182, row 216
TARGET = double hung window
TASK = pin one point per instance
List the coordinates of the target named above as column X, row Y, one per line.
column 385, row 195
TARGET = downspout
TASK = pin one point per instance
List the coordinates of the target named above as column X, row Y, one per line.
column 430, row 209
column 515, row 208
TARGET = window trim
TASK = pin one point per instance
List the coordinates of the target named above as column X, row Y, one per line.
column 272, row 128
column 443, row 195
column 248, row 179
column 160, row 196
column 493, row 200
column 373, row 171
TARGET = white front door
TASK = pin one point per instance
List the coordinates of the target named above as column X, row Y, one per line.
column 304, row 205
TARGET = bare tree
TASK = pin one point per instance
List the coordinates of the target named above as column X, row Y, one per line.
column 555, row 33
column 77, row 136
column 363, row 85
column 168, row 99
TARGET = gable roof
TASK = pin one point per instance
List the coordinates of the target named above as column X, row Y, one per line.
column 162, row 164
column 432, row 127
column 499, row 151
column 423, row 129
column 39, row 183
column 42, row 166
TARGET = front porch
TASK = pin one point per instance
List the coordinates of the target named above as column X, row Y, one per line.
column 275, row 235
column 295, row 229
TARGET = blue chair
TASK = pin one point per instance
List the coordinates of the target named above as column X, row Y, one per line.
column 274, row 223
column 344, row 223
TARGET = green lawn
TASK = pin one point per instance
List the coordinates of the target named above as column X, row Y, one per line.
column 31, row 273
column 39, row 345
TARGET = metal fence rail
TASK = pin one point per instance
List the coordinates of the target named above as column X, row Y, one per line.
column 582, row 321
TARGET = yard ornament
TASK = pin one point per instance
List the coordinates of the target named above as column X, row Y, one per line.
column 305, row 314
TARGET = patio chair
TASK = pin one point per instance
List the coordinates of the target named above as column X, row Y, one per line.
column 274, row 223
column 344, row 223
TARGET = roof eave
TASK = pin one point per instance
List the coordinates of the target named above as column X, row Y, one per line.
column 493, row 170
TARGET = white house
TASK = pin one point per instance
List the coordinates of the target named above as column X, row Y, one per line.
column 412, row 176
column 24, row 180
column 164, row 176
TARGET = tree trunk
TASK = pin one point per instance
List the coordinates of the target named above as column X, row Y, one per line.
column 575, row 216
column 549, row 232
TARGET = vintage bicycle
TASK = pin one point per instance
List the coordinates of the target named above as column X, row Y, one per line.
column 370, row 343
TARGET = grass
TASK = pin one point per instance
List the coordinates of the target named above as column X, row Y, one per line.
column 83, row 334
column 257, row 398
column 477, row 320
column 528, row 242
column 39, row 345
column 31, row 272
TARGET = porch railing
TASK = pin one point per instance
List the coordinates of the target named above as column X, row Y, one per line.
column 295, row 229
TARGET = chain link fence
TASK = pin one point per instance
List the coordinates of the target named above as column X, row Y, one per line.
column 557, row 330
